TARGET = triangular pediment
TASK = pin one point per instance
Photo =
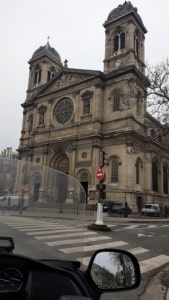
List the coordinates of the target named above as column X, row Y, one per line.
column 66, row 79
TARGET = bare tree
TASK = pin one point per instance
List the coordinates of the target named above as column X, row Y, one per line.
column 158, row 91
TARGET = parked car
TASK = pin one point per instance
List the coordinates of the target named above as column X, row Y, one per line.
column 151, row 209
column 119, row 208
column 12, row 201
column 106, row 206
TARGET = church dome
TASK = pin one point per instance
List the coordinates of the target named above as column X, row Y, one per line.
column 123, row 10
column 46, row 50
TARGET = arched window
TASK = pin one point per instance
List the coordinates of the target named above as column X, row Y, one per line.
column 136, row 44
column 41, row 118
column 138, row 169
column 165, row 180
column 119, row 41
column 115, row 169
column 41, row 111
column 37, row 75
column 51, row 74
column 154, row 177
column 116, row 99
column 122, row 40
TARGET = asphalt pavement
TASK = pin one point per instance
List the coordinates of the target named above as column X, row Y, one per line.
column 157, row 288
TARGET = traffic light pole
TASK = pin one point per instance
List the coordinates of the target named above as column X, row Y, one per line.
column 100, row 187
column 99, row 219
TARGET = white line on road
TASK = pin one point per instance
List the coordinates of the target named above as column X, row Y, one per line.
column 151, row 226
column 153, row 263
column 70, row 229
column 61, row 236
column 71, row 241
column 138, row 250
column 93, row 247
column 43, row 228
column 132, row 226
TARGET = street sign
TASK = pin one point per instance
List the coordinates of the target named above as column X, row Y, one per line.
column 100, row 174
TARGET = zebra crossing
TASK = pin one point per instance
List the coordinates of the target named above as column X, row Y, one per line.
column 68, row 238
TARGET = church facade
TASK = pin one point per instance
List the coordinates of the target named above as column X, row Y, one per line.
column 69, row 115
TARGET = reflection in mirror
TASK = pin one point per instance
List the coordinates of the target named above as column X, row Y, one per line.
column 113, row 270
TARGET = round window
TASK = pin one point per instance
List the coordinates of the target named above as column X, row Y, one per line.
column 63, row 110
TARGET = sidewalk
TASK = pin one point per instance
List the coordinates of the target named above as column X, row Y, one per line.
column 87, row 216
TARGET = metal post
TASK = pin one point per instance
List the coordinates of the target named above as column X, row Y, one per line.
column 99, row 219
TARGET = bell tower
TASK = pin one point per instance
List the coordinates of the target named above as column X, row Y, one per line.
column 45, row 63
column 124, row 39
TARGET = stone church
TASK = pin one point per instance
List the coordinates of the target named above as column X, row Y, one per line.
column 69, row 115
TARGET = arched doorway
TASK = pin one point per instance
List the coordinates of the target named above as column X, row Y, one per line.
column 36, row 186
column 60, row 163
column 84, row 178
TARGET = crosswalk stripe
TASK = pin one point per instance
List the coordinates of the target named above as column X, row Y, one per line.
column 55, row 231
column 132, row 226
column 71, row 241
column 43, row 228
column 93, row 247
column 138, row 250
column 151, row 226
column 135, row 251
column 153, row 263
column 38, row 226
column 66, row 235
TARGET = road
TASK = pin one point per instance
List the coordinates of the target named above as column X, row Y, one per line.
column 39, row 238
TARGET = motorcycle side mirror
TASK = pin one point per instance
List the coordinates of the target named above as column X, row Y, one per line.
column 6, row 244
column 112, row 269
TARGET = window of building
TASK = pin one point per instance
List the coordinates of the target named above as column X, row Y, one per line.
column 119, row 41
column 30, row 122
column 50, row 74
column 37, row 75
column 136, row 44
column 41, row 118
column 116, row 99
column 41, row 110
column 138, row 170
column 165, row 180
column 114, row 169
column 154, row 177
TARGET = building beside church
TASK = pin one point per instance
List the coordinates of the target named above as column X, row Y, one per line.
column 69, row 115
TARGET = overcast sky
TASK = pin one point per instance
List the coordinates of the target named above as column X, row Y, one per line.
column 76, row 32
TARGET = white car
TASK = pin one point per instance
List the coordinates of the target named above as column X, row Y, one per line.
column 151, row 210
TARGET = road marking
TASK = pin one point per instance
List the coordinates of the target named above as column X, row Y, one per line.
column 70, row 229
column 44, row 228
column 146, row 235
column 61, row 236
column 153, row 263
column 151, row 226
column 84, row 240
column 37, row 226
column 93, row 247
column 132, row 226
column 138, row 250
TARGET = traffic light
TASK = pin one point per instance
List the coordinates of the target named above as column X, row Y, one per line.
column 100, row 187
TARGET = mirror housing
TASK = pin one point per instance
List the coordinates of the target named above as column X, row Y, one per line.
column 6, row 244
column 113, row 270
